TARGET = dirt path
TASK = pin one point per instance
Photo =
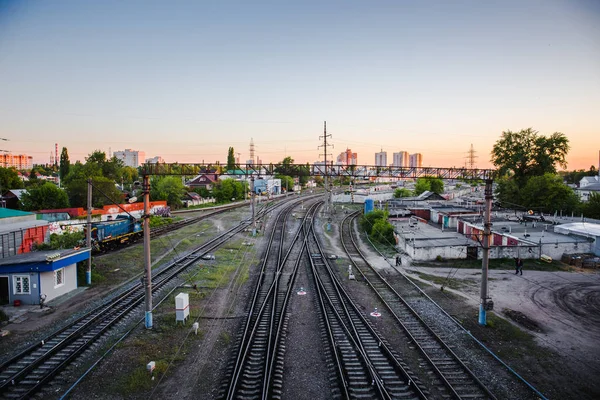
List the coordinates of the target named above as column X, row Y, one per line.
column 564, row 306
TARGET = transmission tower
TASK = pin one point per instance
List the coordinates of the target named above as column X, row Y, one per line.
column 325, row 145
column 471, row 157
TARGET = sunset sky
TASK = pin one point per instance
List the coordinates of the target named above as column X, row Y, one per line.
column 187, row 79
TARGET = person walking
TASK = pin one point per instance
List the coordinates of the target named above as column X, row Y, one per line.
column 518, row 266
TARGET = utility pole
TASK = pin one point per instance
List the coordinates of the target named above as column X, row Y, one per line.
column 325, row 145
column 485, row 301
column 147, row 260
column 88, row 234
column 252, row 205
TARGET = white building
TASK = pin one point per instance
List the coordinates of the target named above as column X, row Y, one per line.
column 416, row 160
column 155, row 160
column 131, row 158
column 400, row 159
column 381, row 159
column 587, row 186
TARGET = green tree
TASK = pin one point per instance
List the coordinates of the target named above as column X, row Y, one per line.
column 241, row 188
column 96, row 164
column 402, row 192
column 224, row 190
column 574, row 177
column 44, row 197
column 129, row 175
column 227, row 189
column 104, row 192
column 113, row 169
column 526, row 153
column 436, row 185
column 203, row 192
column 507, row 193
column 230, row 159
column 287, row 182
column 9, row 179
column 548, row 193
column 169, row 188
column 376, row 225
column 591, row 208
column 286, row 167
column 383, row 232
column 422, row 185
column 65, row 164
column 368, row 220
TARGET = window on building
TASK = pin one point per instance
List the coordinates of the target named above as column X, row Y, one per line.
column 59, row 277
column 21, row 284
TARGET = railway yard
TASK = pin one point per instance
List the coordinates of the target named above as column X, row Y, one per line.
column 278, row 317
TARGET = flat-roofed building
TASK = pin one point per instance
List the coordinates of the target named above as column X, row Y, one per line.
column 347, row 158
column 381, row 159
column 19, row 161
column 131, row 158
column 416, row 160
column 400, row 159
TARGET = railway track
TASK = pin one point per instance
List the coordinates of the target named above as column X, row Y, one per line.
column 365, row 365
column 455, row 379
column 257, row 372
column 161, row 230
column 33, row 368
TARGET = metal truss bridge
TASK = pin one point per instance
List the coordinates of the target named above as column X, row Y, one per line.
column 353, row 171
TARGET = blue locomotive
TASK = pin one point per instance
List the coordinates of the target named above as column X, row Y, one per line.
column 122, row 230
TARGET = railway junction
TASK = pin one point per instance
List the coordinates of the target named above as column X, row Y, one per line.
column 259, row 338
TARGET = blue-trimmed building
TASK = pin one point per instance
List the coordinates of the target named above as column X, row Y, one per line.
column 49, row 274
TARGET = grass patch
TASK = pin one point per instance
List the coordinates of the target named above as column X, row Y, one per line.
column 225, row 337
column 140, row 380
column 129, row 262
column 451, row 283
column 214, row 277
column 499, row 331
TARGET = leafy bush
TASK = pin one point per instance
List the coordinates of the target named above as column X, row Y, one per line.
column 156, row 221
column 65, row 241
column 376, row 225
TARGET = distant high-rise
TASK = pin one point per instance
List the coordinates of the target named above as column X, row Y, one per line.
column 131, row 158
column 347, row 158
column 381, row 159
column 416, row 160
column 251, row 160
column 400, row 159
column 19, row 161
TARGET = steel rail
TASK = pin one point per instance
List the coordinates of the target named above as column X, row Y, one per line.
column 419, row 332
column 264, row 305
column 388, row 378
column 14, row 372
column 279, row 330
